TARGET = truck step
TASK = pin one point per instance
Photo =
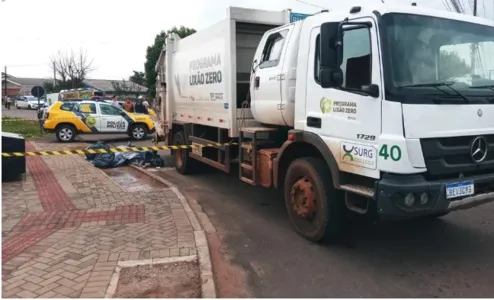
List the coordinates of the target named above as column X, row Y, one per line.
column 247, row 180
column 246, row 166
column 358, row 189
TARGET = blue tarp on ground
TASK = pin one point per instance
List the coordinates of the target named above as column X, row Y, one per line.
column 114, row 160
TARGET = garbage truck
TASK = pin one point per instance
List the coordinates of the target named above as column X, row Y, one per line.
column 357, row 109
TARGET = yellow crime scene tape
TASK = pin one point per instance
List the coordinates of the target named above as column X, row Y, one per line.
column 112, row 150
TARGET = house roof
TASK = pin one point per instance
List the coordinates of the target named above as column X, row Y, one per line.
column 106, row 85
column 28, row 81
column 99, row 84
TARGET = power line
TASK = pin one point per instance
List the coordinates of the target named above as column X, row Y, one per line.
column 23, row 66
column 307, row 3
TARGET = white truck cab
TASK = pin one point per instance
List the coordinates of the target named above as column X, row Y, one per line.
column 373, row 109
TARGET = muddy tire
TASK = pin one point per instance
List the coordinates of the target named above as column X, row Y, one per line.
column 314, row 206
column 65, row 133
column 184, row 164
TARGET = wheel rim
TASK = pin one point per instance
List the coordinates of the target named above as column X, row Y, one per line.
column 138, row 132
column 303, row 199
column 303, row 206
column 66, row 134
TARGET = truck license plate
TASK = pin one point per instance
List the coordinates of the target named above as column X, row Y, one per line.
column 459, row 189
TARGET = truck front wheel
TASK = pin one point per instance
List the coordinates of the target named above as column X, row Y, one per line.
column 314, row 206
column 183, row 163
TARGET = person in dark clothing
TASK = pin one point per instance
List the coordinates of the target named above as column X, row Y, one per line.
column 140, row 108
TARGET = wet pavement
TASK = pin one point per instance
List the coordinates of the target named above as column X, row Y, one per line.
column 132, row 180
column 448, row 257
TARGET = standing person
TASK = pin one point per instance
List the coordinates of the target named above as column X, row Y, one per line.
column 8, row 102
column 128, row 106
column 149, row 110
column 114, row 101
column 139, row 107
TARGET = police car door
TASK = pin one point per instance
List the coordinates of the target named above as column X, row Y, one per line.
column 112, row 119
column 87, row 113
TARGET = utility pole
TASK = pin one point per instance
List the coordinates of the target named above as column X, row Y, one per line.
column 5, row 82
column 474, row 45
column 54, row 77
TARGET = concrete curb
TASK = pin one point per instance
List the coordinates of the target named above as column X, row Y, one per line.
column 208, row 287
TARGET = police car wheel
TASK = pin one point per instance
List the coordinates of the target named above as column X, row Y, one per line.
column 65, row 133
column 139, row 132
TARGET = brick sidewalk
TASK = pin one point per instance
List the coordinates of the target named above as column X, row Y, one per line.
column 65, row 226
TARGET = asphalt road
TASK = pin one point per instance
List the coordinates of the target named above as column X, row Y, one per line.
column 19, row 113
column 448, row 257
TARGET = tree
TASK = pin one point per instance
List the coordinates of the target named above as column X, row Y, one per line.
column 452, row 65
column 153, row 54
column 71, row 68
column 50, row 87
column 139, row 78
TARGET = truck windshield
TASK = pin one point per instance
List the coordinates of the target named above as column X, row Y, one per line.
column 430, row 52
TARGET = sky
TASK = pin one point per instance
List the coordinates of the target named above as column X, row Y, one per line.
column 116, row 33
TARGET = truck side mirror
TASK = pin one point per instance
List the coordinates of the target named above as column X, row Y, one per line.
column 330, row 74
column 371, row 90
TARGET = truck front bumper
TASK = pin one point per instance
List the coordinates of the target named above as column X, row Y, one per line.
column 392, row 190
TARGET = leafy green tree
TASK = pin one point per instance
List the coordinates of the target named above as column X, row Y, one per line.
column 50, row 87
column 138, row 78
column 452, row 65
column 153, row 54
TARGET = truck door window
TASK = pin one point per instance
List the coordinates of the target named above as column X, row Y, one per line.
column 317, row 59
column 357, row 56
column 272, row 50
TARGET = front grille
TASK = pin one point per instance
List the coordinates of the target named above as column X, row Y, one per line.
column 451, row 157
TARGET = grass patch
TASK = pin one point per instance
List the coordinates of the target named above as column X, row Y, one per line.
column 27, row 128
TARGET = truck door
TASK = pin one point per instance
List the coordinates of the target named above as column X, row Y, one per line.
column 268, row 75
column 346, row 117
column 112, row 119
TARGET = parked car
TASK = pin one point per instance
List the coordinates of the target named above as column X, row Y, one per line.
column 68, row 118
column 29, row 102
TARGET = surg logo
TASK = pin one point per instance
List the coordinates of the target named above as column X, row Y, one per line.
column 348, row 153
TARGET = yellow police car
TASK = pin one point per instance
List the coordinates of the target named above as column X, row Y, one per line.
column 67, row 119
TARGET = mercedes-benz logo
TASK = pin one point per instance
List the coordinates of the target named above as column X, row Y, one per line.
column 479, row 113
column 478, row 149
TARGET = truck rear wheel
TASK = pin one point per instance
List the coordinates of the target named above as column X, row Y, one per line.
column 183, row 163
column 314, row 206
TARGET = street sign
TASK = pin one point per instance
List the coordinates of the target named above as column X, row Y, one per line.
column 294, row 17
column 37, row 91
